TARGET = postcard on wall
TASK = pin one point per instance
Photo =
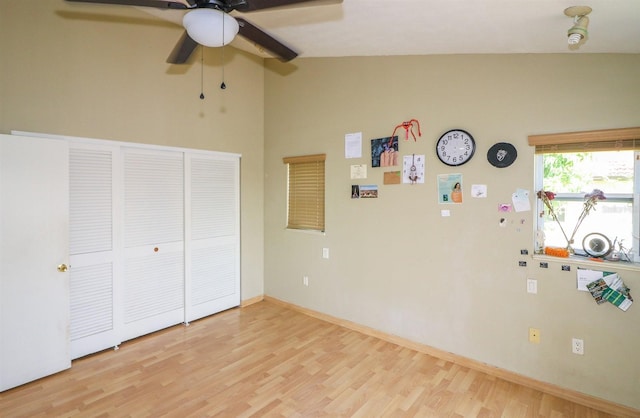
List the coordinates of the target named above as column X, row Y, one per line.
column 449, row 188
column 413, row 169
column 617, row 298
column 586, row 276
column 355, row 191
column 358, row 171
column 597, row 288
column 479, row 190
column 384, row 152
column 368, row 191
column 353, row 145
column 520, row 200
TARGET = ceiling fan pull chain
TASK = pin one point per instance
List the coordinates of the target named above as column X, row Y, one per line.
column 222, row 85
column 201, row 73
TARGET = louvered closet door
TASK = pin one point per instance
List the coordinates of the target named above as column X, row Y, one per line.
column 213, row 233
column 91, row 191
column 153, row 279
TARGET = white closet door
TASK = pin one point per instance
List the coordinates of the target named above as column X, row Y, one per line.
column 213, row 231
column 34, row 241
column 91, row 198
column 153, row 279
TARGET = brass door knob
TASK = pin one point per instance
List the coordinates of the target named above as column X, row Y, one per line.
column 62, row 268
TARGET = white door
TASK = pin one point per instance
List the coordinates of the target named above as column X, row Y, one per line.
column 213, row 234
column 153, row 278
column 94, row 320
column 34, row 242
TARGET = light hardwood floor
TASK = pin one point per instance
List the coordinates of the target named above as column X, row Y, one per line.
column 267, row 360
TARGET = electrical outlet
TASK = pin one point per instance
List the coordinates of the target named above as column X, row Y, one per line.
column 577, row 346
column 532, row 286
column 305, row 280
column 534, row 335
column 325, row 253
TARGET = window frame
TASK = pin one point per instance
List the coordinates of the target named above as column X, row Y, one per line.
column 306, row 192
column 591, row 141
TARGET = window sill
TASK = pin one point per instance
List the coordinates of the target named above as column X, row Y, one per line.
column 307, row 231
column 584, row 261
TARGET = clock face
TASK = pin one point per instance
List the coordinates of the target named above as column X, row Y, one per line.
column 455, row 147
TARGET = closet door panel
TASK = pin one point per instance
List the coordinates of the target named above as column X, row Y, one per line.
column 153, row 197
column 153, row 288
column 213, row 271
column 92, row 256
column 34, row 241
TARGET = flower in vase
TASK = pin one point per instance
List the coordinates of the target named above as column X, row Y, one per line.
column 547, row 197
column 590, row 201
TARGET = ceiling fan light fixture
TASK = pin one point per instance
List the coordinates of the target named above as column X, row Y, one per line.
column 210, row 27
column 578, row 31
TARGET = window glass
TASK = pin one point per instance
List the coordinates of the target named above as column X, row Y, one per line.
column 571, row 176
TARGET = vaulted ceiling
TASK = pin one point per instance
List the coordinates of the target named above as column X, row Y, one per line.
column 424, row 27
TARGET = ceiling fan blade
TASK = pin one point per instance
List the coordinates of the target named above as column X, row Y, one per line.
column 253, row 5
column 266, row 41
column 160, row 4
column 183, row 49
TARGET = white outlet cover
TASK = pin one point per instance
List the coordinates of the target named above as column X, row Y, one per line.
column 577, row 346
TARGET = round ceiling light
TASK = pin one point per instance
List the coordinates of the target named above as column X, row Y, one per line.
column 210, row 27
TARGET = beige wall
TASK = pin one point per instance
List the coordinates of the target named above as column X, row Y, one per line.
column 67, row 71
column 396, row 265
column 452, row 283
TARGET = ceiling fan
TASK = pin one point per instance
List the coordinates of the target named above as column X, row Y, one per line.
column 209, row 23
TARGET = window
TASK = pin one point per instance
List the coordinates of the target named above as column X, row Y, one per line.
column 573, row 165
column 305, row 200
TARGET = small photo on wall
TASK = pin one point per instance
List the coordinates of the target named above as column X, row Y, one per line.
column 355, row 191
column 368, row 192
column 449, row 188
column 384, row 152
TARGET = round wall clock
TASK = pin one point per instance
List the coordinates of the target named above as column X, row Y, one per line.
column 455, row 147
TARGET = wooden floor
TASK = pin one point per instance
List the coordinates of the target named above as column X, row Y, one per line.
column 266, row 360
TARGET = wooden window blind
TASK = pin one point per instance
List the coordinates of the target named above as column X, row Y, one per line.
column 587, row 141
column 305, row 203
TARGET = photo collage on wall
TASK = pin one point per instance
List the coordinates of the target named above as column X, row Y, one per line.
column 411, row 168
column 407, row 169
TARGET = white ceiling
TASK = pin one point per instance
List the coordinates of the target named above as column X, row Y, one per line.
column 425, row 27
